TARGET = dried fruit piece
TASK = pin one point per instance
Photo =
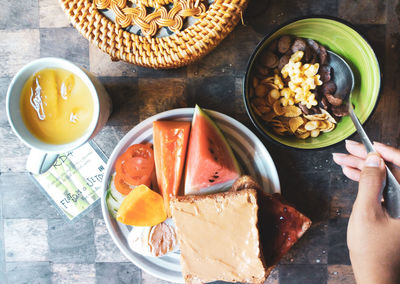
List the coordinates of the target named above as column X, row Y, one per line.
column 323, row 54
column 324, row 103
column 283, row 61
column 284, row 44
column 341, row 110
column 325, row 72
column 270, row 60
column 313, row 44
column 299, row 44
column 333, row 100
column 329, row 87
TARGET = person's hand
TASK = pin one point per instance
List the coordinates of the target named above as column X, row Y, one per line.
column 352, row 163
column 373, row 237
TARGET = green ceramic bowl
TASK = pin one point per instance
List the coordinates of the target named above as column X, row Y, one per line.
column 349, row 44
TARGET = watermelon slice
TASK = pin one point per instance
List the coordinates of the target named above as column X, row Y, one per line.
column 211, row 165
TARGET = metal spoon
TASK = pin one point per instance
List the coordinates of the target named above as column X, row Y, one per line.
column 344, row 80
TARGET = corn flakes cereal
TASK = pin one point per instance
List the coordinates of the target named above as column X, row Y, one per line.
column 295, row 123
column 311, row 125
column 303, row 79
column 291, row 111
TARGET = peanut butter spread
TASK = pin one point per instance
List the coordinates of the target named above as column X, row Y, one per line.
column 218, row 237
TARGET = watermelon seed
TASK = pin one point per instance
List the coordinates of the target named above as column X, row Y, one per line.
column 211, row 150
column 215, row 176
column 211, row 180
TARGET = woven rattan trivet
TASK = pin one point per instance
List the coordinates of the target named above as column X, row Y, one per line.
column 114, row 36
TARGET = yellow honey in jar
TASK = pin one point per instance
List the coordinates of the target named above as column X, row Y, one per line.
column 56, row 106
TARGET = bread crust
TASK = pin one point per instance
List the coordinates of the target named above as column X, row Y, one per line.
column 193, row 198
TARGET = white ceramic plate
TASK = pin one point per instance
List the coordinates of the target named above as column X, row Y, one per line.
column 250, row 152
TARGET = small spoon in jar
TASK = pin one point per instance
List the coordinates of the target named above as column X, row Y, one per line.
column 344, row 79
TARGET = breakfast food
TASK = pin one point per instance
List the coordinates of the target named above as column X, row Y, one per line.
column 153, row 241
column 218, row 237
column 211, row 165
column 134, row 167
column 151, row 234
column 170, row 143
column 56, row 106
column 294, row 94
column 280, row 224
column 142, row 207
column 132, row 197
column 236, row 236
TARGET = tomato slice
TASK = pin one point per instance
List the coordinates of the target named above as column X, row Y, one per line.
column 135, row 166
column 121, row 185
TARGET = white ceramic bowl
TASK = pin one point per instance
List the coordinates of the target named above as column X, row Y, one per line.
column 250, row 152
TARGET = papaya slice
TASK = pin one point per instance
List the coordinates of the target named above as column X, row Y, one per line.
column 170, row 143
column 142, row 207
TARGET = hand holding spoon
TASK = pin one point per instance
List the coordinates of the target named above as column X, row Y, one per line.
column 344, row 80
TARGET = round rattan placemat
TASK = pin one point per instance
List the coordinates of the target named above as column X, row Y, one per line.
column 176, row 50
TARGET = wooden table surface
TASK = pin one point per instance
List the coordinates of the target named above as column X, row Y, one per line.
column 36, row 246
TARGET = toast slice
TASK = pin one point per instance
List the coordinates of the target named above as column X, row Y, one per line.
column 219, row 238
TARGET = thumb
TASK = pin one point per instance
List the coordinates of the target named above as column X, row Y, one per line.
column 372, row 182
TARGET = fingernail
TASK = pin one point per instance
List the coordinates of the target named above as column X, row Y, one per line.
column 373, row 161
column 351, row 142
column 338, row 155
